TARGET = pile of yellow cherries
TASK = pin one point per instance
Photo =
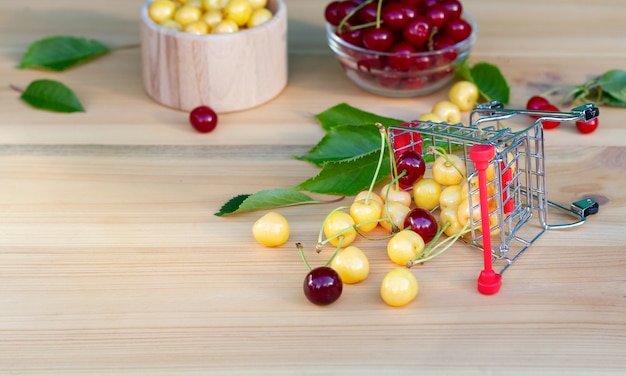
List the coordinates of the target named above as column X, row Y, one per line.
column 209, row 16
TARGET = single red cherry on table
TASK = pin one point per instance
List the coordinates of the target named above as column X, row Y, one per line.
column 550, row 124
column 203, row 119
column 322, row 285
column 536, row 102
column 587, row 126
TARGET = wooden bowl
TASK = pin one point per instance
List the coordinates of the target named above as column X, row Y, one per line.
column 228, row 72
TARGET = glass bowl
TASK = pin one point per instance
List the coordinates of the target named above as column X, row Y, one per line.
column 428, row 72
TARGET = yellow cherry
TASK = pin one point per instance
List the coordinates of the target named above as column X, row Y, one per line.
column 351, row 264
column 464, row 94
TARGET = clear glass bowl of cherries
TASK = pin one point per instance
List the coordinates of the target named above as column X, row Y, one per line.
column 400, row 48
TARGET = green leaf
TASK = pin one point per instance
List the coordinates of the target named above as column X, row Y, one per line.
column 344, row 114
column 59, row 52
column 463, row 71
column 347, row 177
column 344, row 142
column 51, row 95
column 267, row 199
column 613, row 82
column 608, row 100
column 489, row 80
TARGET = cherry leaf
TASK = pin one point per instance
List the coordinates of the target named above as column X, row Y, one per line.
column 487, row 77
column 59, row 53
column 266, row 199
column 344, row 114
column 344, row 142
column 347, row 177
column 51, row 95
column 613, row 82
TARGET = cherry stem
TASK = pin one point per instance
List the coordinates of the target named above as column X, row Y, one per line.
column 336, row 251
column 392, row 158
column 352, row 13
column 394, row 228
column 321, row 243
column 383, row 133
column 306, row 262
column 378, row 11
column 126, row 47
column 427, row 254
column 301, row 251
column 18, row 89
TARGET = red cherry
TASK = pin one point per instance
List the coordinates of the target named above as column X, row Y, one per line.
column 444, row 42
column 550, row 124
column 536, row 102
column 417, row 31
column 413, row 163
column 454, row 8
column 437, row 15
column 368, row 13
column 203, row 119
column 458, row 30
column 389, row 78
column 322, row 285
column 352, row 36
column 393, row 16
column 422, row 222
column 402, row 58
column 344, row 8
column 377, row 38
column 330, row 13
column 588, row 126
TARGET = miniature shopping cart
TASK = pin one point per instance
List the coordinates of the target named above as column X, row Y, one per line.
column 515, row 197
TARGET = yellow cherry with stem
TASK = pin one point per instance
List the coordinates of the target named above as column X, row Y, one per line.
column 351, row 264
column 449, row 214
column 366, row 212
column 464, row 94
column 392, row 218
column 392, row 193
column 405, row 246
column 338, row 227
column 447, row 169
column 370, row 196
column 436, row 247
column 447, row 111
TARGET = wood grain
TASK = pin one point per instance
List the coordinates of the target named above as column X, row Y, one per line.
column 112, row 262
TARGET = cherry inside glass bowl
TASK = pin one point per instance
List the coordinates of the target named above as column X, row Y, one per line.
column 400, row 74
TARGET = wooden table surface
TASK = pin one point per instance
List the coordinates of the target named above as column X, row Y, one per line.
column 112, row 262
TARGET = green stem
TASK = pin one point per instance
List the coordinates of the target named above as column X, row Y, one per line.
column 440, row 151
column 392, row 159
column 378, row 11
column 125, row 47
column 321, row 233
column 335, row 253
column 427, row 254
column 352, row 13
column 383, row 133
column 301, row 251
column 395, row 180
